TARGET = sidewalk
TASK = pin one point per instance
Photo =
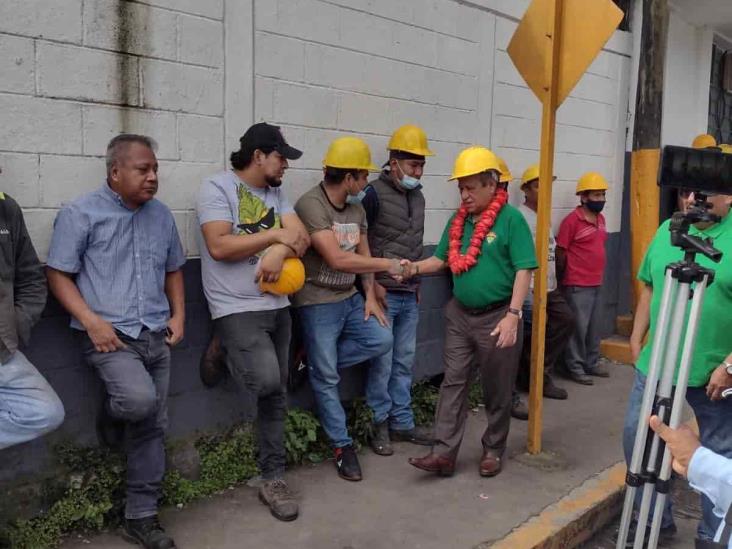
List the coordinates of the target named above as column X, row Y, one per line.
column 398, row 506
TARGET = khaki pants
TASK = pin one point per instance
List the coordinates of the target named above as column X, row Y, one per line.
column 470, row 347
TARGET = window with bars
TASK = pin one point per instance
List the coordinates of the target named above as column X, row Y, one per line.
column 720, row 101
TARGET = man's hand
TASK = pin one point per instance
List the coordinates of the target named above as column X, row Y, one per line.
column 380, row 295
column 506, row 331
column 681, row 442
column 176, row 326
column 397, row 269
column 372, row 307
column 270, row 264
column 102, row 334
column 718, row 382
column 295, row 239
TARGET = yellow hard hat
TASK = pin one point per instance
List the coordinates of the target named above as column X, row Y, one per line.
column 349, row 153
column 474, row 160
column 591, row 181
column 725, row 148
column 704, row 140
column 411, row 139
column 506, row 175
column 292, row 278
column 530, row 173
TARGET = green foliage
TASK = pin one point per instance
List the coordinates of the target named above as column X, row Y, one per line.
column 424, row 402
column 90, row 497
column 475, row 395
column 360, row 420
column 304, row 438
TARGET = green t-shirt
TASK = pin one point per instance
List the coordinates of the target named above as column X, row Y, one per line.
column 713, row 337
column 508, row 247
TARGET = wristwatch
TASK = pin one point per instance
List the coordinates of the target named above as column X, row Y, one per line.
column 518, row 312
column 728, row 367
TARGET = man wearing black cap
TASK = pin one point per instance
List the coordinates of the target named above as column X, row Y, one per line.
column 243, row 213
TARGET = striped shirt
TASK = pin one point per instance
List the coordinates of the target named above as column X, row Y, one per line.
column 120, row 257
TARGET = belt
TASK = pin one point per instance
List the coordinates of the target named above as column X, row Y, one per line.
column 482, row 310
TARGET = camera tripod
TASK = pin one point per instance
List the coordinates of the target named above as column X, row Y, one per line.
column 650, row 465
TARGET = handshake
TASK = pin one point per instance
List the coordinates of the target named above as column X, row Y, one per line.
column 402, row 269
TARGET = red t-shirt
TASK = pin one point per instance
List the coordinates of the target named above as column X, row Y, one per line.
column 584, row 245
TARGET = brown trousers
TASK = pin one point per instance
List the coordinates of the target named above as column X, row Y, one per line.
column 469, row 349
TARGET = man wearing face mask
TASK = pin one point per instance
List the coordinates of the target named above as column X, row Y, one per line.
column 580, row 267
column 340, row 328
column 394, row 206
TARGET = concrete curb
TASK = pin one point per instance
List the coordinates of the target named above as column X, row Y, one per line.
column 573, row 519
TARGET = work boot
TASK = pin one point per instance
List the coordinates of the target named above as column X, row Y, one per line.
column 148, row 533
column 598, row 371
column 212, row 367
column 519, row 410
column 433, row 463
column 346, row 462
column 276, row 495
column 379, row 439
column 582, row 379
column 552, row 391
column 420, row 435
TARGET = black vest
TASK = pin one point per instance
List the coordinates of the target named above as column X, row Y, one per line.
column 398, row 229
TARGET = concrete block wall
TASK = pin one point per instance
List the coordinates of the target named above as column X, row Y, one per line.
column 75, row 73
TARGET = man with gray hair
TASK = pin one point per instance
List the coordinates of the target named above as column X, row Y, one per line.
column 114, row 264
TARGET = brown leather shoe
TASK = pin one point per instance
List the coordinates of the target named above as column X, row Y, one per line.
column 432, row 463
column 213, row 363
column 490, row 466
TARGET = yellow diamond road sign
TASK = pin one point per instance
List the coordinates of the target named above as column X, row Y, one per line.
column 585, row 27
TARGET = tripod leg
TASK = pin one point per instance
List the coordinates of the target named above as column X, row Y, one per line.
column 633, row 478
column 681, row 384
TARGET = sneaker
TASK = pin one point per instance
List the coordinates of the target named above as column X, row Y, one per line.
column 346, row 462
column 552, row 391
column 420, row 435
column 276, row 495
column 212, row 367
column 519, row 409
column 598, row 371
column 148, row 533
column 379, row 439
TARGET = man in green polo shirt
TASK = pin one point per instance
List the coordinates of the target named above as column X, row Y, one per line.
column 711, row 368
column 489, row 249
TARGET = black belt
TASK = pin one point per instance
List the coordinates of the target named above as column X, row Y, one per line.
column 482, row 310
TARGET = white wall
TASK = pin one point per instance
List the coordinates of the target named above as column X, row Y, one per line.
column 686, row 81
column 196, row 74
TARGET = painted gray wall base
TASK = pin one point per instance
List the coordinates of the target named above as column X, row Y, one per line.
column 194, row 408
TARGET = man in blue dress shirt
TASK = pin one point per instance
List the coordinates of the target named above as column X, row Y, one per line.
column 707, row 472
column 114, row 264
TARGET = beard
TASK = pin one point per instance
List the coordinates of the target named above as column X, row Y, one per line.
column 273, row 181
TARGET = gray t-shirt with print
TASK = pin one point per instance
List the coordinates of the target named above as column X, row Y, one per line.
column 551, row 274
column 230, row 286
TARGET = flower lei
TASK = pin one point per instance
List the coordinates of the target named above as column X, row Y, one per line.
column 460, row 263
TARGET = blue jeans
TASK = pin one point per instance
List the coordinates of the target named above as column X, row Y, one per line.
column 29, row 407
column 337, row 336
column 388, row 391
column 715, row 430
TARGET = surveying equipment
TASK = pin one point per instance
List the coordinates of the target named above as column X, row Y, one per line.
column 704, row 172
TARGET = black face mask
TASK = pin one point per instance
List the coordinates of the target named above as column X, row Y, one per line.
column 595, row 206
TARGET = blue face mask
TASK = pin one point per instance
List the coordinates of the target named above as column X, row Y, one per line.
column 355, row 198
column 408, row 182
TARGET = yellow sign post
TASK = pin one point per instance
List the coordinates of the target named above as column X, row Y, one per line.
column 552, row 47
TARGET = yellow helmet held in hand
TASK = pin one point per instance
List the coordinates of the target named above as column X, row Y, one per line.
column 725, row 148
column 591, row 181
column 474, row 160
column 291, row 280
column 506, row 175
column 349, row 153
column 703, row 141
column 410, row 139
